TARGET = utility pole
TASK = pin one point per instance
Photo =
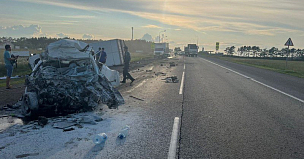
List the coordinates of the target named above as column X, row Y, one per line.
column 132, row 33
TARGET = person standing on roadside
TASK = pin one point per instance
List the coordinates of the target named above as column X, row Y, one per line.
column 103, row 56
column 126, row 74
column 8, row 65
column 98, row 55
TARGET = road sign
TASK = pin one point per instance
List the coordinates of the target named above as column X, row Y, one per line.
column 289, row 42
column 217, row 46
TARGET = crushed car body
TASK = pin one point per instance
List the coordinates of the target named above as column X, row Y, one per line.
column 66, row 79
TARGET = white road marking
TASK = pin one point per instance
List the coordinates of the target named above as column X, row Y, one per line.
column 174, row 139
column 182, row 84
column 291, row 96
column 228, row 69
column 278, row 91
column 184, row 66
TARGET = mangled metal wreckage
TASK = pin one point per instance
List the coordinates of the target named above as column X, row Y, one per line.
column 66, row 79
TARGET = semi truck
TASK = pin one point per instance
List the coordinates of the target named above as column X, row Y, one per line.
column 161, row 50
column 192, row 50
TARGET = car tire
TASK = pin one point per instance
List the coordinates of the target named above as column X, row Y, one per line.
column 29, row 105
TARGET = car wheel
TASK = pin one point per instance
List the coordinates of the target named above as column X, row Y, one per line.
column 29, row 104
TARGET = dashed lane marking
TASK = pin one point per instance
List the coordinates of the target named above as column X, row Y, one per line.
column 182, row 84
column 174, row 136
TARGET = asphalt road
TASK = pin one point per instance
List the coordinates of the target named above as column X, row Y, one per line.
column 226, row 115
column 222, row 115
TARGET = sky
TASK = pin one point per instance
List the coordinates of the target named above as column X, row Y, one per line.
column 264, row 23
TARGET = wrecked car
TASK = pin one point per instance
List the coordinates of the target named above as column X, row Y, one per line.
column 66, row 79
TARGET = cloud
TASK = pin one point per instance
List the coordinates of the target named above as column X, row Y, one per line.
column 151, row 26
column 214, row 16
column 88, row 36
column 20, row 31
column 147, row 37
column 233, row 20
column 79, row 17
column 62, row 35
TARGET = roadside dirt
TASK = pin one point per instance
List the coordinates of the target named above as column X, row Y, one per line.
column 11, row 96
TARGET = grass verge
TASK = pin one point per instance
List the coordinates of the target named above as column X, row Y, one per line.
column 13, row 82
column 21, row 70
column 135, row 56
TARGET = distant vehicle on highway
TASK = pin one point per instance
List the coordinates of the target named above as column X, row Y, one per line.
column 181, row 53
column 161, row 50
column 192, row 50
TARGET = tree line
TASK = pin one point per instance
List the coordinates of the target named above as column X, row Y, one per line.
column 37, row 42
column 256, row 51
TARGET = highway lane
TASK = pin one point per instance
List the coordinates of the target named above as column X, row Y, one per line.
column 289, row 84
column 226, row 115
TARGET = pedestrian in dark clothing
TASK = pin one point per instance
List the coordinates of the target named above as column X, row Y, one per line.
column 103, row 56
column 97, row 56
column 126, row 74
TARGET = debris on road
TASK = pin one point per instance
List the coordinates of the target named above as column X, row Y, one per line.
column 138, row 70
column 27, row 155
column 172, row 79
column 15, row 106
column 160, row 73
column 137, row 98
column 63, row 124
column 42, row 121
column 124, row 132
column 67, row 80
column 100, row 138
column 172, row 64
column 75, row 120
column 88, row 120
column 68, row 129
